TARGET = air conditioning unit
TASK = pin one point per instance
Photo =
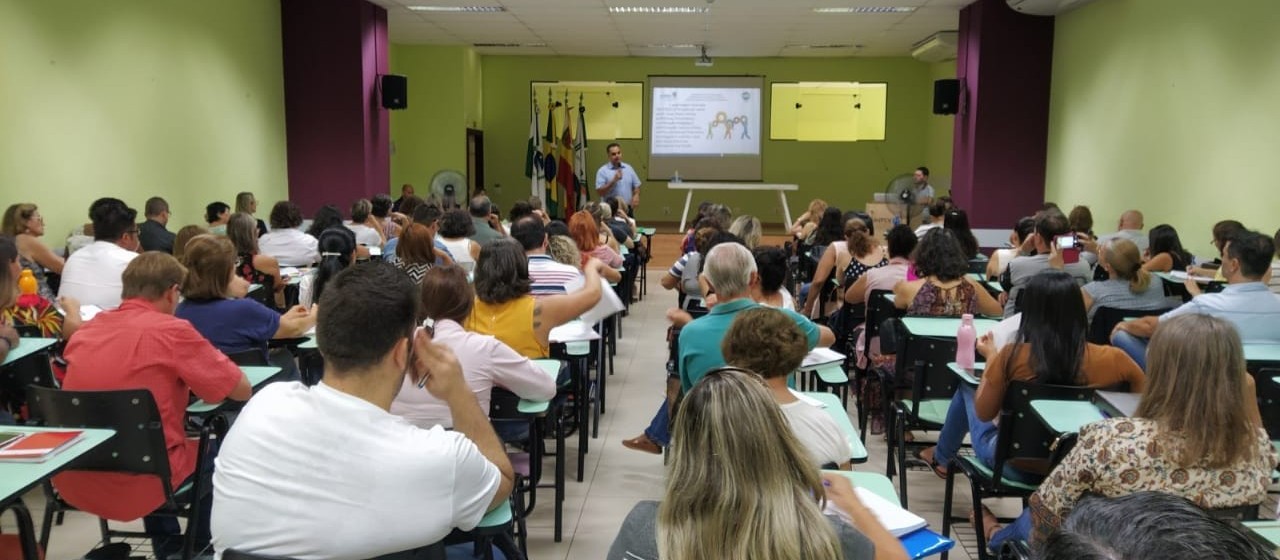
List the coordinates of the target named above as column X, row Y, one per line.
column 1046, row 7
column 938, row 47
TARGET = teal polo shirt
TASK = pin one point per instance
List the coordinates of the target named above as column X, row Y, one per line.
column 700, row 339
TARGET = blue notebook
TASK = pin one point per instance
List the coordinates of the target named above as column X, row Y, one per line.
column 922, row 543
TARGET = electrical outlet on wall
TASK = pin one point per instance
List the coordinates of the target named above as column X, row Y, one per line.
column 666, row 210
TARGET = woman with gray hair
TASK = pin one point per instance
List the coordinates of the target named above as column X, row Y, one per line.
column 251, row 264
column 367, row 230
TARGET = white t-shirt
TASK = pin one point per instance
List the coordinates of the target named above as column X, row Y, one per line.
column 93, row 274
column 924, row 228
column 290, row 246
column 818, row 432
column 366, row 235
column 317, row 474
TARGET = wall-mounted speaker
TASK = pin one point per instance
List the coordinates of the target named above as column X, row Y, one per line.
column 395, row 91
column 946, row 97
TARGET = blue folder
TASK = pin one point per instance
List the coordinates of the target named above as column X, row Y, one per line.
column 922, row 543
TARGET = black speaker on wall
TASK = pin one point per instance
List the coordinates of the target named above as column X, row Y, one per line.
column 395, row 91
column 946, row 97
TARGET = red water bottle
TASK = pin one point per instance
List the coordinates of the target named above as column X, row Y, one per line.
column 966, row 341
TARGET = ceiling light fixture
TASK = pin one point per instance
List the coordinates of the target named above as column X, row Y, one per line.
column 508, row 45
column 666, row 46
column 658, row 10
column 866, row 10
column 832, row 46
column 460, row 9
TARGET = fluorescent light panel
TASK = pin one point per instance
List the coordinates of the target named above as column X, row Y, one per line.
column 509, row 45
column 460, row 9
column 832, row 46
column 665, row 46
column 658, row 9
column 866, row 10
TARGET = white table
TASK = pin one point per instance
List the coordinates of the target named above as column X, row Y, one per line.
column 781, row 189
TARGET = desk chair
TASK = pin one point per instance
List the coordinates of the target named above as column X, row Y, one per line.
column 1014, row 550
column 33, row 370
column 923, row 361
column 266, row 295
column 877, row 310
column 138, row 448
column 504, row 407
column 431, row 552
column 1022, row 437
column 1268, row 394
column 1106, row 318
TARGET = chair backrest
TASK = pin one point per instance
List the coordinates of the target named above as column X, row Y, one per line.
column 16, row 377
column 251, row 357
column 1022, row 435
column 978, row 266
column 1268, row 394
column 930, row 376
column 503, row 405
column 878, row 309
column 430, row 552
column 1106, row 318
column 138, row 446
column 266, row 295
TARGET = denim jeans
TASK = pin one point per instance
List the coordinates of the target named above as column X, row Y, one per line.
column 166, row 533
column 1134, row 346
column 1019, row 530
column 659, row 430
column 962, row 418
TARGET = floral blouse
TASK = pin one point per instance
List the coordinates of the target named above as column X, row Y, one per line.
column 1121, row 456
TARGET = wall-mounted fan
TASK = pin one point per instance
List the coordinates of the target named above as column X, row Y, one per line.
column 449, row 186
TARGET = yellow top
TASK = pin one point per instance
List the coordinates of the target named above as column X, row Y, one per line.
column 510, row 322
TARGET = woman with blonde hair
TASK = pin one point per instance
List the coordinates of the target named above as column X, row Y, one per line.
column 742, row 486
column 247, row 203
column 25, row 225
column 251, row 264
column 808, row 221
column 748, row 229
column 185, row 235
column 1196, row 434
column 1129, row 286
column 564, row 251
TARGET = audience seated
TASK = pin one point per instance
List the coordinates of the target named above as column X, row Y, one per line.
column 830, row 229
column 730, row 270
column 92, row 274
column 34, row 311
column 1000, row 257
column 251, row 264
column 603, row 213
column 1049, row 226
column 584, row 229
column 804, row 224
column 456, row 229
column 943, row 288
column 486, row 362
column 767, row 342
column 857, row 254
column 8, row 334
column 621, row 224
column 1222, row 232
column 428, row 216
column 506, row 309
column 487, row 224
column 1129, row 227
column 547, row 276
column 368, row 231
column 834, row 262
column 214, row 303
column 1164, row 250
column 415, row 252
column 1196, row 434
column 563, row 250
column 301, row 458
column 1245, row 301
column 1147, row 525
column 1129, row 287
column 142, row 345
column 286, row 242
column 748, row 229
column 902, row 242
column 957, row 222
column 683, row 273
column 25, row 225
column 381, row 211
column 337, row 252
column 185, row 234
column 326, row 217
column 406, row 192
column 153, row 233
column 730, row 436
column 936, row 214
column 246, row 203
column 1050, row 349
column 216, row 215
column 771, row 264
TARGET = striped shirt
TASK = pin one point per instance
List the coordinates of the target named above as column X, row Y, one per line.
column 552, row 278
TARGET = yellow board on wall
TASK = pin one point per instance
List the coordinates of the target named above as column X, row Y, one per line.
column 827, row 111
column 605, row 121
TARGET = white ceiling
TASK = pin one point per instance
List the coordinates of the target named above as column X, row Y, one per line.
column 756, row 28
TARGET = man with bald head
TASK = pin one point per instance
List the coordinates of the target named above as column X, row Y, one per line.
column 1130, row 227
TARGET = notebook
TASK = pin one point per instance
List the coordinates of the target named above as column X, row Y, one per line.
column 820, row 356
column 895, row 519
column 38, row 446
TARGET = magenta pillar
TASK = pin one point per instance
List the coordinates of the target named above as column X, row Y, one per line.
column 1005, row 64
column 337, row 132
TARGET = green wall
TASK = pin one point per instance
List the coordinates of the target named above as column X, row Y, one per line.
column 1167, row 106
column 444, row 100
column 135, row 98
column 845, row 174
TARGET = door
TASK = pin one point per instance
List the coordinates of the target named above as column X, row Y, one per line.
column 475, row 161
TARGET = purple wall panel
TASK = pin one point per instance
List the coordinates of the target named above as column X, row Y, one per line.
column 1001, row 135
column 337, row 133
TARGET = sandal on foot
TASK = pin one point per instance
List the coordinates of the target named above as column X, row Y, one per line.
column 927, row 455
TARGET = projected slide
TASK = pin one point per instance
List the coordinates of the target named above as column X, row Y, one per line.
column 700, row 121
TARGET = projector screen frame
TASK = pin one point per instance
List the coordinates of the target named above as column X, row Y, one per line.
column 723, row 167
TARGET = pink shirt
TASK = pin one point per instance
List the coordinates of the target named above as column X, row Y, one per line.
column 606, row 255
column 486, row 362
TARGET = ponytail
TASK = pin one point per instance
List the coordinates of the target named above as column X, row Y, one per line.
column 1140, row 282
column 336, row 246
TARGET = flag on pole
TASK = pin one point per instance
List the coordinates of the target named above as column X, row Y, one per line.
column 580, row 155
column 548, row 154
column 533, row 166
column 564, row 175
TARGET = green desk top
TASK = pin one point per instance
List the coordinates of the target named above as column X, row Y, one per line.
column 877, row 483
column 309, row 344
column 944, row 327
column 982, row 279
column 1267, row 530
column 1066, row 416
column 552, row 369
column 497, row 518
column 258, row 375
column 838, row 413
column 27, row 347
column 18, row 477
column 1262, row 352
column 967, row 375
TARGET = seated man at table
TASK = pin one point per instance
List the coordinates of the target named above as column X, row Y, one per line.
column 730, row 271
column 1129, row 227
column 1049, row 226
column 547, row 276
column 92, row 274
column 302, row 459
column 1245, row 301
column 766, row 341
column 142, row 345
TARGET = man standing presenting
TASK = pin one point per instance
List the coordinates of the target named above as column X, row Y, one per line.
column 618, row 179
column 924, row 192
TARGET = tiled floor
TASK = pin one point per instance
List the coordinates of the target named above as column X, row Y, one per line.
column 616, row 477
